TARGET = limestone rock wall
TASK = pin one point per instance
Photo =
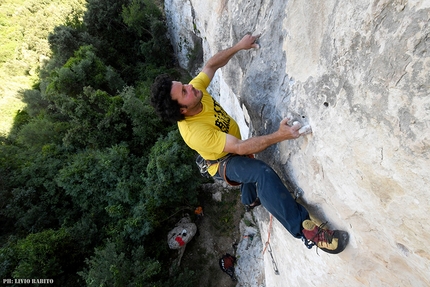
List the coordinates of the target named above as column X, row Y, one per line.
column 359, row 73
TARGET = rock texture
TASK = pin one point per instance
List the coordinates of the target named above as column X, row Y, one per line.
column 359, row 73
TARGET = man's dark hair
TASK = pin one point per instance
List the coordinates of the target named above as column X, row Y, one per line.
column 166, row 108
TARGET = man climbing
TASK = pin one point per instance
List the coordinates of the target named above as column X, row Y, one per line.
column 208, row 129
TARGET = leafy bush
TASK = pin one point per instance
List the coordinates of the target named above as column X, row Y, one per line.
column 111, row 267
column 169, row 185
column 36, row 256
column 89, row 171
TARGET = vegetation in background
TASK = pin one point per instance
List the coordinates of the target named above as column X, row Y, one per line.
column 24, row 29
column 89, row 177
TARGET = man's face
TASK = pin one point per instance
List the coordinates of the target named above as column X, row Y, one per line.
column 187, row 96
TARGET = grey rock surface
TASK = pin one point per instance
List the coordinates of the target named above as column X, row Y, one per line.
column 359, row 73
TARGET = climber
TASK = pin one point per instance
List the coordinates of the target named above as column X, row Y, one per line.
column 215, row 135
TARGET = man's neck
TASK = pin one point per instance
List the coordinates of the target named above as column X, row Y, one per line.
column 194, row 111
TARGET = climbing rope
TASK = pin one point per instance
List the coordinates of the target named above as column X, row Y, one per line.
column 268, row 233
column 269, row 248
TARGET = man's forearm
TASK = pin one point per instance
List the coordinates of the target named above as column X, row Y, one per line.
column 252, row 145
column 257, row 144
column 221, row 58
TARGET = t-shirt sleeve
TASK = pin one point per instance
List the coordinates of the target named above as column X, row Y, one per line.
column 202, row 81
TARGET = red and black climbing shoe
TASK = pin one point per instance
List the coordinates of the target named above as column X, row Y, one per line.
column 251, row 206
column 330, row 241
column 226, row 263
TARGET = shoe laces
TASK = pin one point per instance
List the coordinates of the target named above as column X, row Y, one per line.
column 322, row 235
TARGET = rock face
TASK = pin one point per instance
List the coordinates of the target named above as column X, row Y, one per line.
column 359, row 73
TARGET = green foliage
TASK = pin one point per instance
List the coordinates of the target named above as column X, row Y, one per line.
column 116, row 172
column 83, row 70
column 35, row 103
column 34, row 200
column 184, row 278
column 117, row 44
column 7, row 50
column 36, row 256
column 10, row 33
column 111, row 267
column 156, row 49
column 21, row 119
column 138, row 14
column 101, row 19
column 25, row 25
column 65, row 40
column 161, row 177
column 138, row 109
column 88, row 170
column 145, row 19
column 97, row 120
column 40, row 132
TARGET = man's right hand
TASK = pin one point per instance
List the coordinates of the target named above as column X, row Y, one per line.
column 289, row 132
column 259, row 143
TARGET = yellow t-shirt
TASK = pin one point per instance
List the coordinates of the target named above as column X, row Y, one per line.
column 207, row 131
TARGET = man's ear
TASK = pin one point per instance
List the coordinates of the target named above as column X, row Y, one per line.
column 182, row 110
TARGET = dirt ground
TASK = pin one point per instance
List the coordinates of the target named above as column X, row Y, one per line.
column 218, row 232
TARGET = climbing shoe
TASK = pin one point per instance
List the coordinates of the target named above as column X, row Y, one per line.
column 330, row 241
column 251, row 206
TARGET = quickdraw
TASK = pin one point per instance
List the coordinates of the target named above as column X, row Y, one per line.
column 275, row 267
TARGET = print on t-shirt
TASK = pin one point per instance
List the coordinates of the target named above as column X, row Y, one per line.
column 222, row 119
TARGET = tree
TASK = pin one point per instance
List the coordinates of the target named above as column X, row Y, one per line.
column 47, row 254
column 35, row 103
column 82, row 70
column 167, row 185
column 33, row 201
column 138, row 16
column 145, row 19
column 119, row 44
column 136, row 106
column 97, row 179
column 39, row 132
column 89, row 171
column 64, row 41
column 110, row 267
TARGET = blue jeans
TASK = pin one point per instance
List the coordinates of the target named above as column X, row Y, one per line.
column 260, row 180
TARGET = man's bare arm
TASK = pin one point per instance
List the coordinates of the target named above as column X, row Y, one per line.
column 221, row 58
column 257, row 144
